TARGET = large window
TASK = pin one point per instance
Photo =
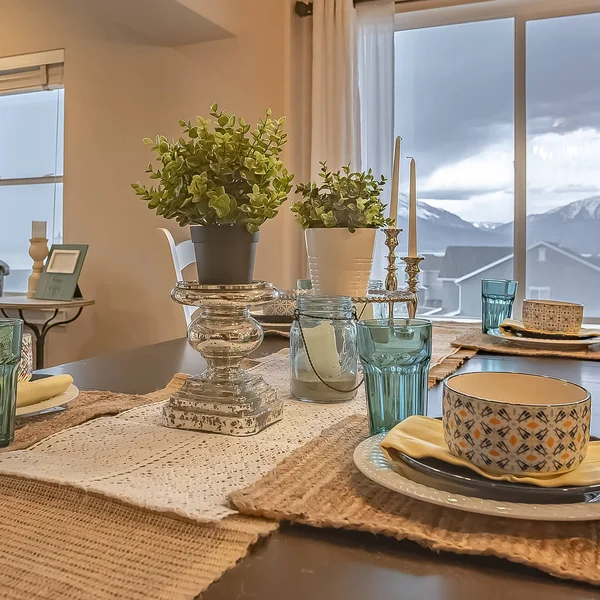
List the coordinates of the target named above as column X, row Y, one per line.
column 495, row 109
column 31, row 162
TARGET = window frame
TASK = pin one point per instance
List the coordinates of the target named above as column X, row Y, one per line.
column 438, row 13
column 539, row 290
column 26, row 74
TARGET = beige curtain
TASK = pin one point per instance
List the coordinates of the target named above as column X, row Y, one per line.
column 335, row 97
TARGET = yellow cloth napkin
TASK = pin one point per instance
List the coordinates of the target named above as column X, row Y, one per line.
column 510, row 327
column 34, row 392
column 422, row 437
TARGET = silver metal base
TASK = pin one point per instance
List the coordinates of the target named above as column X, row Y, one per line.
column 233, row 408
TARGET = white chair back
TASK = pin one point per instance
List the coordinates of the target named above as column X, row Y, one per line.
column 183, row 256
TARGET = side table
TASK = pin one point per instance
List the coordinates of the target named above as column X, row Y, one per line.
column 21, row 303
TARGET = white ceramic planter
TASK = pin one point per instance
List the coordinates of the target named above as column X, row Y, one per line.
column 339, row 261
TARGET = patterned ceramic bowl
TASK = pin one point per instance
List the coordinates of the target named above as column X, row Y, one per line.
column 516, row 423
column 552, row 316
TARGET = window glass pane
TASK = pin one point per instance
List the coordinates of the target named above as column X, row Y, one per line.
column 563, row 158
column 31, row 134
column 19, row 206
column 454, row 111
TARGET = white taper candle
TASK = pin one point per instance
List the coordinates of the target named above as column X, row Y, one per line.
column 412, row 210
column 395, row 182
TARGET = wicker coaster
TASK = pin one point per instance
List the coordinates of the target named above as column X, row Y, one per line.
column 476, row 340
column 319, row 485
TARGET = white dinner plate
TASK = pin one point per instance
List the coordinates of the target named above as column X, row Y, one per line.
column 372, row 463
column 71, row 393
column 544, row 343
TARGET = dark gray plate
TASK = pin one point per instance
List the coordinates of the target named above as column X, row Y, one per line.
column 460, row 480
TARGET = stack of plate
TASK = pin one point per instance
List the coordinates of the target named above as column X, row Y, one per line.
column 51, row 404
column 516, row 333
column 440, row 483
column 548, row 324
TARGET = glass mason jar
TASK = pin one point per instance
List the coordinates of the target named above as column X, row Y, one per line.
column 325, row 335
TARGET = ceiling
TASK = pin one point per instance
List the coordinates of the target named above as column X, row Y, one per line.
column 162, row 22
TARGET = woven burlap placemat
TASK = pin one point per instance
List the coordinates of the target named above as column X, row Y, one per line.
column 319, row 485
column 477, row 340
column 60, row 542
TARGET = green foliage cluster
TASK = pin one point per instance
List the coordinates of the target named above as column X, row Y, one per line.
column 226, row 173
column 344, row 199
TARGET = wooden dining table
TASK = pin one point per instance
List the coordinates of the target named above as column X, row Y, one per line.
column 299, row 562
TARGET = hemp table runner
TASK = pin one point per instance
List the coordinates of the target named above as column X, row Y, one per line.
column 476, row 340
column 61, row 542
column 319, row 485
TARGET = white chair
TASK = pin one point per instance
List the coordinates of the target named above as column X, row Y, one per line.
column 183, row 256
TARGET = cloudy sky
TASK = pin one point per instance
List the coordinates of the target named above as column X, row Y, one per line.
column 454, row 107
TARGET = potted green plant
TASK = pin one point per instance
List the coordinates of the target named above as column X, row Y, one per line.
column 224, row 178
column 340, row 216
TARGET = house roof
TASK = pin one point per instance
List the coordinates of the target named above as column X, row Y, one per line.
column 432, row 262
column 591, row 263
column 461, row 260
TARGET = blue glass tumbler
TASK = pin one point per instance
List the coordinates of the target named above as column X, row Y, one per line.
column 497, row 298
column 10, row 357
column 395, row 355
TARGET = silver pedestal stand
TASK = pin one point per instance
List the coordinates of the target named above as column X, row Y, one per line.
column 225, row 398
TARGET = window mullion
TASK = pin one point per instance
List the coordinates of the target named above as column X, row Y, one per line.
column 520, row 195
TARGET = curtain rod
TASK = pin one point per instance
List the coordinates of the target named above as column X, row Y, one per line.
column 305, row 9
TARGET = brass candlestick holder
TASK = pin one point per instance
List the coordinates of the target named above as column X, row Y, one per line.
column 412, row 270
column 391, row 280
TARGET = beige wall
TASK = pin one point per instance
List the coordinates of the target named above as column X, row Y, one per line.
column 119, row 88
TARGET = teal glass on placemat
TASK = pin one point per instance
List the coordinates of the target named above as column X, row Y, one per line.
column 395, row 355
column 497, row 298
column 10, row 356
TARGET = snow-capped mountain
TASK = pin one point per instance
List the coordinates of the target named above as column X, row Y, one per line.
column 575, row 226
column 438, row 228
column 488, row 226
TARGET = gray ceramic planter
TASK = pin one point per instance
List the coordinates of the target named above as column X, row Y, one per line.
column 224, row 253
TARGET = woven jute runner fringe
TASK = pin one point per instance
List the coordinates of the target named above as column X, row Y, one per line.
column 476, row 340
column 58, row 542
column 319, row 485
column 63, row 543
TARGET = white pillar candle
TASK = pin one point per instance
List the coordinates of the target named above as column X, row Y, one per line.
column 38, row 230
column 412, row 210
column 395, row 182
column 322, row 349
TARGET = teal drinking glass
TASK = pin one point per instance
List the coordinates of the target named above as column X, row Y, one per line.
column 497, row 298
column 395, row 356
column 10, row 357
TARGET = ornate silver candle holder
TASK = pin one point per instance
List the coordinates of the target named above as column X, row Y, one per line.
column 412, row 270
column 225, row 398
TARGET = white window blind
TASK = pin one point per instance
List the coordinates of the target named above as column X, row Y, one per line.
column 31, row 72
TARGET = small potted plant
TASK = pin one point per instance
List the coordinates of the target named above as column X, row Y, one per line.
column 224, row 179
column 340, row 217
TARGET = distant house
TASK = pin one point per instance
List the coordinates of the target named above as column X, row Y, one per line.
column 452, row 282
column 440, row 274
column 553, row 272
